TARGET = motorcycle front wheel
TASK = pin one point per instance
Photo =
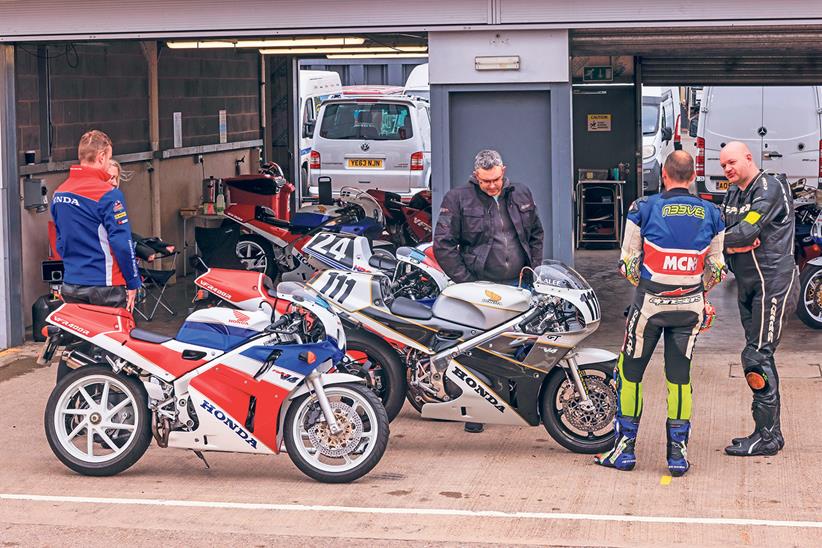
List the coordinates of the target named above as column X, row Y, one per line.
column 809, row 308
column 98, row 422
column 347, row 455
column 573, row 427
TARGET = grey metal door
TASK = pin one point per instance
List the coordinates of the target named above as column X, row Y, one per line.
column 515, row 123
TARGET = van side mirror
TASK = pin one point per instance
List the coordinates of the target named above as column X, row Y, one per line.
column 308, row 129
column 667, row 134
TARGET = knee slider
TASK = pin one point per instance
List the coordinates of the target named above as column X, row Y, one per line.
column 756, row 378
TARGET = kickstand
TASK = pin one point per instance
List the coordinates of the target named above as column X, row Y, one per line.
column 202, row 458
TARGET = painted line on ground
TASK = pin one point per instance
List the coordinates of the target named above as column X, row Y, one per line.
column 545, row 516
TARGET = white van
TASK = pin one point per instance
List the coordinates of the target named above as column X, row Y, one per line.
column 315, row 87
column 660, row 133
column 381, row 142
column 417, row 83
column 780, row 124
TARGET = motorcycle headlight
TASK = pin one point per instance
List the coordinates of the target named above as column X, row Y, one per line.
column 648, row 151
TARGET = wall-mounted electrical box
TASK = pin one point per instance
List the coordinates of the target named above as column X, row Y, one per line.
column 35, row 194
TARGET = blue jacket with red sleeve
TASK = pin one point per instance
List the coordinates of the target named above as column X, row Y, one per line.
column 93, row 232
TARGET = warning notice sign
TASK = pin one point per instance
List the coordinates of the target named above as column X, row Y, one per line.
column 599, row 122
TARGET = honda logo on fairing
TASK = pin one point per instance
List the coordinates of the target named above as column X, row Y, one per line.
column 478, row 388
column 240, row 318
column 220, row 416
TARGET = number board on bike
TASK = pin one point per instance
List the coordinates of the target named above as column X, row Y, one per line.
column 334, row 250
column 591, row 305
column 352, row 290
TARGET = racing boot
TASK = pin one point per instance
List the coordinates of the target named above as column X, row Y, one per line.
column 763, row 440
column 623, row 455
column 678, row 432
column 777, row 429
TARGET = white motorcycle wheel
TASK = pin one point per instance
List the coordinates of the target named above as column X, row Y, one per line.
column 97, row 422
column 809, row 308
column 342, row 457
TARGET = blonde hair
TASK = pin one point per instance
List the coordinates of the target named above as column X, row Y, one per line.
column 91, row 144
column 125, row 175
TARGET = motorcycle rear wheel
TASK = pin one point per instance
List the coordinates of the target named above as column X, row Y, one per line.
column 328, row 457
column 809, row 308
column 594, row 430
column 105, row 413
column 386, row 365
column 256, row 253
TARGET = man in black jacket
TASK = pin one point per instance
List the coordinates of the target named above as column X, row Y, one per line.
column 758, row 212
column 488, row 229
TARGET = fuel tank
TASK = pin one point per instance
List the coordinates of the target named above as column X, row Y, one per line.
column 482, row 305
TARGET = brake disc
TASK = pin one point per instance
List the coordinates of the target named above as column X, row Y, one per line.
column 343, row 442
column 602, row 397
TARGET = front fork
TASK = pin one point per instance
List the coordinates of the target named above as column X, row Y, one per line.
column 315, row 380
column 585, row 402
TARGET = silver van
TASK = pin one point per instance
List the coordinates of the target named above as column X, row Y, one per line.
column 381, row 142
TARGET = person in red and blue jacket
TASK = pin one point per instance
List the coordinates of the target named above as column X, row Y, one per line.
column 93, row 231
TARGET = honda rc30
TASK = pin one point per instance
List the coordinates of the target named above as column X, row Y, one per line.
column 230, row 380
column 808, row 253
column 487, row 352
column 274, row 246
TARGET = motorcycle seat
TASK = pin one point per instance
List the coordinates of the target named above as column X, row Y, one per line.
column 148, row 336
column 383, row 262
column 405, row 307
column 266, row 215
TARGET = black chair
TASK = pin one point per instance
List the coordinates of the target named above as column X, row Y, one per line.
column 154, row 285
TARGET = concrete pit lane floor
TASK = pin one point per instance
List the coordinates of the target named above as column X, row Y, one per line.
column 438, row 485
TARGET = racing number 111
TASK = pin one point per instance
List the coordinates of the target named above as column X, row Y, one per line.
column 342, row 281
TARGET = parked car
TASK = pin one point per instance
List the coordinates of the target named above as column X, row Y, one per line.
column 660, row 133
column 380, row 142
column 315, row 87
column 780, row 124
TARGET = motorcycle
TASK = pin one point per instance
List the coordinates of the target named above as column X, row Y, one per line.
column 808, row 253
column 406, row 225
column 274, row 246
column 486, row 352
column 247, row 382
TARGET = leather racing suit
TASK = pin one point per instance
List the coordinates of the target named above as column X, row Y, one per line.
column 767, row 293
column 672, row 252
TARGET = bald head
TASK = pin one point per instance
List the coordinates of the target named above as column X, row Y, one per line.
column 738, row 164
column 678, row 170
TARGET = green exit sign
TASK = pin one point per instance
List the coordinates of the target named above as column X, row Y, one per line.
column 597, row 74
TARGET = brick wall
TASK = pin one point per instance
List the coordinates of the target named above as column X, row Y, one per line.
column 200, row 83
column 28, row 102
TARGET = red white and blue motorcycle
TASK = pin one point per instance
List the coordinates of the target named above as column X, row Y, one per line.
column 256, row 381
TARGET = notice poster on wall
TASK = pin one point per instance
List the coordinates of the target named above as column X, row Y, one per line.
column 178, row 129
column 599, row 122
column 223, row 127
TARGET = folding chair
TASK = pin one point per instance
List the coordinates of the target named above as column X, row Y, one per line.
column 158, row 280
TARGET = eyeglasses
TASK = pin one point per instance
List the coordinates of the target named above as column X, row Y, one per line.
column 489, row 181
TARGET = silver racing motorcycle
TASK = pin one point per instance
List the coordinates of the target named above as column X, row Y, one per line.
column 484, row 352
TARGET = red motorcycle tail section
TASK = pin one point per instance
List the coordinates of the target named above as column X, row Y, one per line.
column 431, row 259
column 234, row 286
column 232, row 390
column 89, row 320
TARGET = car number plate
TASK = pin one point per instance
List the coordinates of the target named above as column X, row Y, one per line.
column 722, row 185
column 367, row 163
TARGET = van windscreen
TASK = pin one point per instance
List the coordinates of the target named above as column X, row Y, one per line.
column 650, row 118
column 371, row 121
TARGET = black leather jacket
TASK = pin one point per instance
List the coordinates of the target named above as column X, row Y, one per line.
column 463, row 235
column 763, row 210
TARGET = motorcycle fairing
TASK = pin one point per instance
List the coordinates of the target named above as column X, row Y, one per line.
column 478, row 402
column 244, row 289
